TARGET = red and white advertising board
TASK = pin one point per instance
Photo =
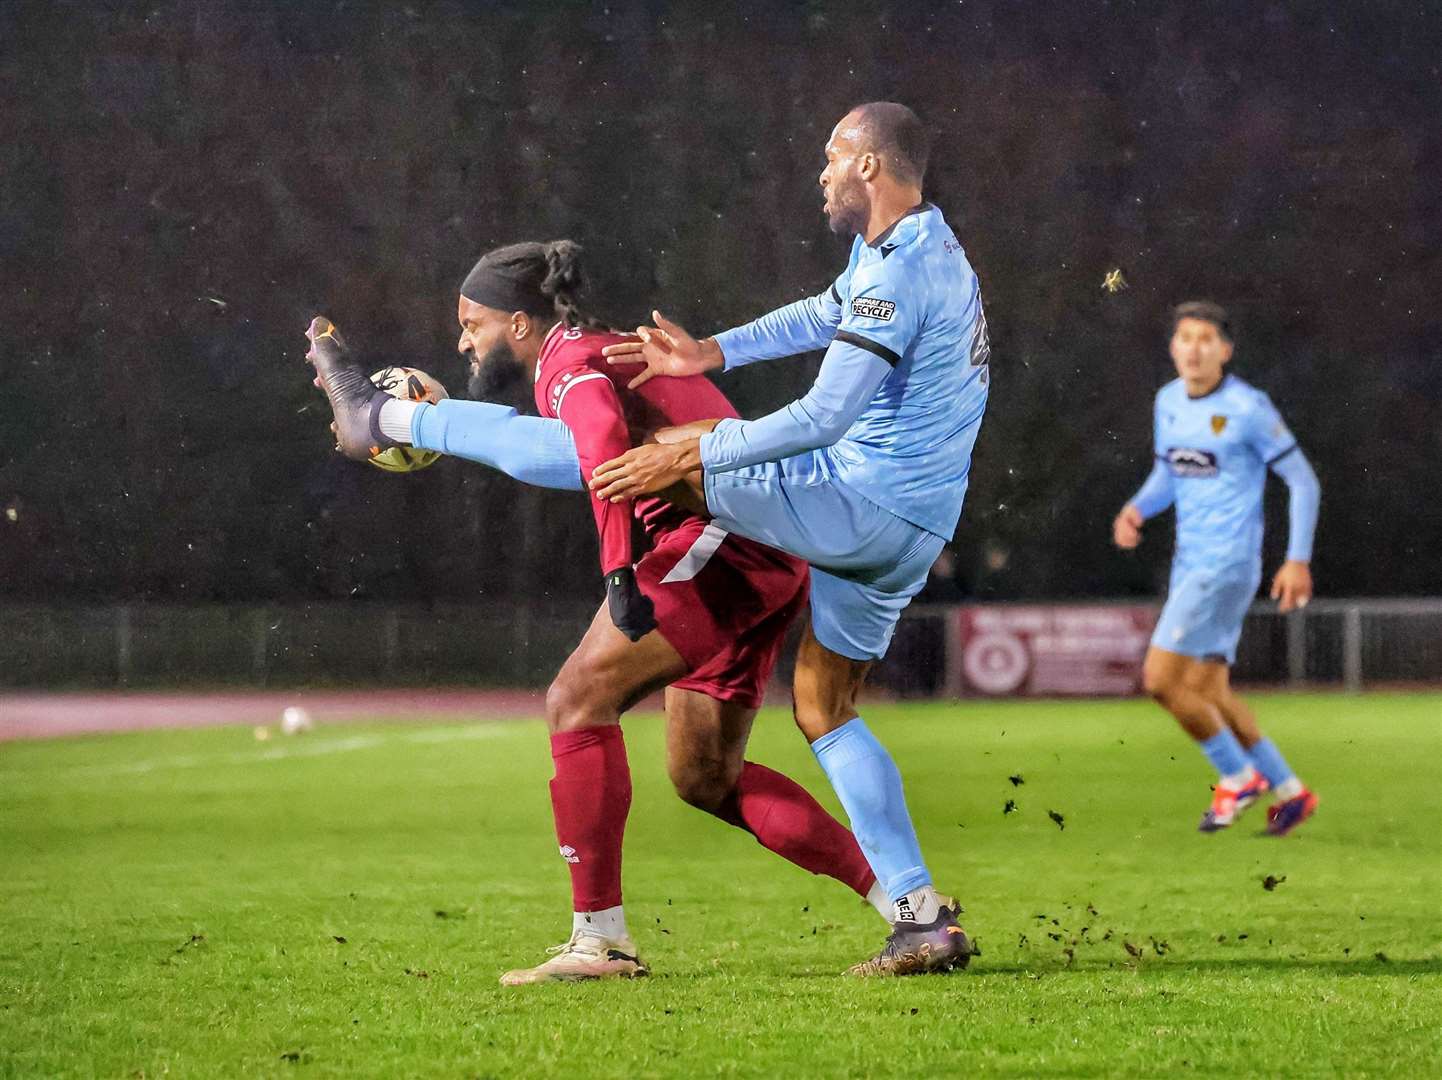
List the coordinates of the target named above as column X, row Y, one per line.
column 1034, row 650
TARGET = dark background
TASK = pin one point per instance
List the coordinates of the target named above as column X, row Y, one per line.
column 183, row 184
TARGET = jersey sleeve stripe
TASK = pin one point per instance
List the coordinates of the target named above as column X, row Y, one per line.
column 835, row 296
column 892, row 358
column 1278, row 457
column 572, row 385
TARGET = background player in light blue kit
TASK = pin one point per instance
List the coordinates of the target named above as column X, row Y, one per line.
column 1215, row 439
column 863, row 477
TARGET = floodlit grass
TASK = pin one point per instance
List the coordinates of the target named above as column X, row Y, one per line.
column 340, row 904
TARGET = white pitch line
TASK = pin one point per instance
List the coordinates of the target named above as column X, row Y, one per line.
column 281, row 753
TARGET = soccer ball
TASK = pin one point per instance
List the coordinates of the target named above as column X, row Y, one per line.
column 408, row 384
column 295, row 721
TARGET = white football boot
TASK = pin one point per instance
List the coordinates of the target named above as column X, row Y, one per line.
column 585, row 956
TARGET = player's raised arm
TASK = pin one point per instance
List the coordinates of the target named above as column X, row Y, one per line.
column 871, row 337
column 849, row 377
column 667, row 349
column 870, row 340
column 848, row 380
column 804, row 326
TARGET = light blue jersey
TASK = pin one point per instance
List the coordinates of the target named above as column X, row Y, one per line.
column 896, row 408
column 1213, row 453
column 1212, row 456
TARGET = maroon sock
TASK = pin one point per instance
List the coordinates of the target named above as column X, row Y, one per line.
column 590, row 797
column 784, row 818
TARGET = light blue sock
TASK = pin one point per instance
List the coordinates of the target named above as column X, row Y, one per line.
column 1225, row 753
column 869, row 787
column 532, row 449
column 1269, row 761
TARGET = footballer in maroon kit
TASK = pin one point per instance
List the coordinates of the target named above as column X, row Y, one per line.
column 703, row 613
column 723, row 603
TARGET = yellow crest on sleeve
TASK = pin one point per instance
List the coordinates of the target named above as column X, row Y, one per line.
column 1218, row 424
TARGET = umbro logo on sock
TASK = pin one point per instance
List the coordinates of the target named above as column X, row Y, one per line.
column 569, row 854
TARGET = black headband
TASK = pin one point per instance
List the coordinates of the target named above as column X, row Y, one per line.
column 507, row 280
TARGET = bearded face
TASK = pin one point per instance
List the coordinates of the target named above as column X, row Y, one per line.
column 497, row 375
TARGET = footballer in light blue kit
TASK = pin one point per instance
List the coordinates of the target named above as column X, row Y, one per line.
column 1216, row 438
column 863, row 477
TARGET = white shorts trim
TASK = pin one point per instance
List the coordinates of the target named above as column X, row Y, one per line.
column 697, row 555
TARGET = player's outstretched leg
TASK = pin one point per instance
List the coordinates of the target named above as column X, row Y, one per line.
column 1295, row 804
column 706, row 758
column 354, row 399
column 1183, row 686
column 591, row 795
column 925, row 936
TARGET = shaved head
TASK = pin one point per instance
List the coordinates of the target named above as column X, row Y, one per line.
column 876, row 156
column 893, row 133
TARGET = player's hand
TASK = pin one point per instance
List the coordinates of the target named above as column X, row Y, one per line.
column 645, row 469
column 1292, row 585
column 1127, row 528
column 665, row 349
column 631, row 610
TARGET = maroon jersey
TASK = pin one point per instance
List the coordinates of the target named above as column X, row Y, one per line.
column 723, row 602
column 575, row 384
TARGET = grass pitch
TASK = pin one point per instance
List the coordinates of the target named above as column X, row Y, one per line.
column 196, row 903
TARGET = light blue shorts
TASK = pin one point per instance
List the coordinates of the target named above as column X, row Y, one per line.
column 866, row 563
column 1204, row 610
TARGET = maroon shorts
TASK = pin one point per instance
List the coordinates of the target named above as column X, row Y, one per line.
column 724, row 603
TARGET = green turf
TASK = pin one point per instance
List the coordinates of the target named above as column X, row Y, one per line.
column 200, row 904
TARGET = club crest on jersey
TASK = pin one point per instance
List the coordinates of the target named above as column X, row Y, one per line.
column 1185, row 461
column 1219, row 424
column 869, row 307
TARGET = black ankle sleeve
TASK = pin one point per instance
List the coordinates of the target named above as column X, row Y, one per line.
column 379, row 438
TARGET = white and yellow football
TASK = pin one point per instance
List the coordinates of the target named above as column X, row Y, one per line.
column 408, row 384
